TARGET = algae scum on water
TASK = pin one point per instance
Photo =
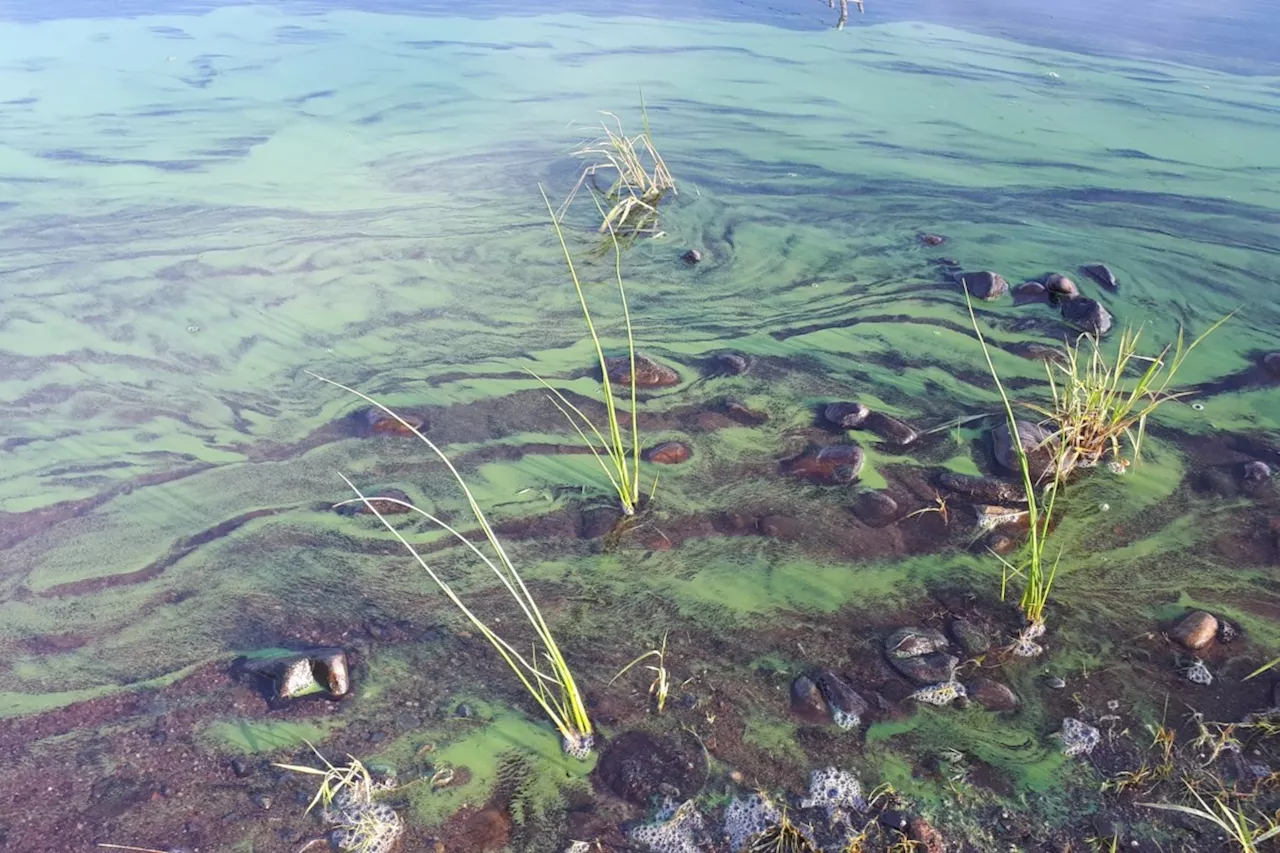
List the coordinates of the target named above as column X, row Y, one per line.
column 202, row 208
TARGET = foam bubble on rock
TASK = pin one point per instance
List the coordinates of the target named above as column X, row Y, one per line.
column 677, row 829
column 1078, row 738
column 747, row 817
column 836, row 791
column 1198, row 673
column 940, row 694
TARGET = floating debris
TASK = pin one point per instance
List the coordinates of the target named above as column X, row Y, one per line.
column 1198, row 673
column 1078, row 738
column 747, row 817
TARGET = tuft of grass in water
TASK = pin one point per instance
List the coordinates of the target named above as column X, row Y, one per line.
column 351, row 779
column 660, row 689
column 1036, row 573
column 1094, row 406
column 550, row 682
column 783, row 837
column 346, row 794
column 620, row 463
column 641, row 178
column 1245, row 831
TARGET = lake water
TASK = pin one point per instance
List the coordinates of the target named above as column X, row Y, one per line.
column 202, row 202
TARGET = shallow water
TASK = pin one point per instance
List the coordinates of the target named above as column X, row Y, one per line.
column 203, row 203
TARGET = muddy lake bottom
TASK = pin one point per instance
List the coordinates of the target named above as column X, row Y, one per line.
column 205, row 210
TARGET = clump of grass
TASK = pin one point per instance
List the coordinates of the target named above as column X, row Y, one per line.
column 1036, row 573
column 660, row 689
column 1095, row 407
column 547, row 676
column 618, row 458
column 1244, row 831
column 346, row 795
column 640, row 182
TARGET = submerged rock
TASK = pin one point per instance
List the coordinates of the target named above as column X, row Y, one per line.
column 943, row 693
column 1196, row 630
column 1059, row 287
column 649, row 373
column 927, row 839
column 318, row 671
column 1038, row 352
column 833, row 465
column 641, row 768
column 1102, row 274
column 1271, row 363
column 933, row 668
column 984, row 285
column 912, row 642
column 1028, row 292
column 807, row 701
column 1256, row 472
column 691, row 257
column 971, row 638
column 373, row 421
column 668, row 453
column 744, row 414
column 992, row 695
column 991, row 516
column 931, row 239
column 891, row 429
column 1087, row 314
column 846, row 415
column 847, row 707
column 730, row 364
column 385, row 502
column 984, row 490
column 1037, row 443
column 875, row 509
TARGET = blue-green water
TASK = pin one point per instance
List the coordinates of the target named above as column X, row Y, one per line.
column 201, row 203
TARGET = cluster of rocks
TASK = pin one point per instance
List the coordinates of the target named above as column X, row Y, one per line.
column 855, row 415
column 1053, row 288
column 1199, row 631
column 316, row 672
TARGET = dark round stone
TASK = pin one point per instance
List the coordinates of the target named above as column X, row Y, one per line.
column 730, row 364
column 875, row 509
column 1087, row 314
column 893, row 819
column 1060, row 287
column 984, row 284
column 1102, row 274
column 691, row 257
column 1256, row 472
column 464, row 710
column 807, row 702
column 931, row 239
column 846, row 415
column 240, row 767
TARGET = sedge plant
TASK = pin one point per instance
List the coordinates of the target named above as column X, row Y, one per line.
column 641, row 178
column 1246, row 832
column 660, row 689
column 618, row 457
column 545, row 673
column 1096, row 406
column 1036, row 572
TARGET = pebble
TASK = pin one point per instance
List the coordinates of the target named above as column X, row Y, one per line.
column 240, row 767
column 1196, row 630
column 464, row 710
column 262, row 801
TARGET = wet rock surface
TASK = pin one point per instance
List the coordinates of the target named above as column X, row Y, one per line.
column 729, row 364
column 971, row 638
column 1088, row 315
column 384, row 502
column 891, row 429
column 668, row 453
column 835, row 464
column 649, row 373
column 1036, row 444
column 876, row 508
column 1102, row 274
column 321, row 671
column 986, row 490
column 1030, row 292
column 984, row 284
column 992, row 695
column 1059, row 287
column 1196, row 630
column 373, row 421
column 846, row 415
column 912, row 642
column 642, row 769
column 743, row 414
column 691, row 257
column 846, row 705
